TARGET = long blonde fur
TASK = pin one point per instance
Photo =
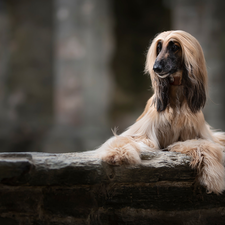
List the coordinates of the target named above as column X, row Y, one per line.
column 177, row 128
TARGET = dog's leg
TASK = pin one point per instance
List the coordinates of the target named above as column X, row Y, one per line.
column 219, row 137
column 207, row 158
column 209, row 133
column 124, row 150
column 120, row 150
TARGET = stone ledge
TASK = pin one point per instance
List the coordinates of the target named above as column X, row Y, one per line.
column 77, row 188
column 41, row 169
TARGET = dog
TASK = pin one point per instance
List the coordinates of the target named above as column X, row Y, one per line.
column 173, row 117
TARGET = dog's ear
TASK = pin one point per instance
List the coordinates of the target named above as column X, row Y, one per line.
column 162, row 94
column 194, row 91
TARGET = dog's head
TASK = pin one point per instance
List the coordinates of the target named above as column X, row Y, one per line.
column 176, row 58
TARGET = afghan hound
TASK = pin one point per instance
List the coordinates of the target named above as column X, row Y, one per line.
column 173, row 117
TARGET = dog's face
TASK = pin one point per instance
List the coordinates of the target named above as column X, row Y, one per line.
column 169, row 58
column 176, row 58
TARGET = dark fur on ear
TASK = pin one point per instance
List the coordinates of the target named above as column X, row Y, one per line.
column 162, row 94
column 194, row 92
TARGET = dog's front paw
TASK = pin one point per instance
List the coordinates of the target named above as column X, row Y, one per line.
column 122, row 151
column 121, row 156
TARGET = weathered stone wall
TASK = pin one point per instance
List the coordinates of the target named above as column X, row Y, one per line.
column 55, row 80
column 26, row 73
column 83, row 42
column 77, row 188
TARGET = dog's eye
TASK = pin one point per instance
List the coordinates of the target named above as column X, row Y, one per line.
column 159, row 48
column 175, row 48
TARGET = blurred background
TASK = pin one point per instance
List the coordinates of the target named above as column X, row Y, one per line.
column 70, row 70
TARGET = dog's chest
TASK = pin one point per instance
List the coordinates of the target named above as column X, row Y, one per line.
column 176, row 128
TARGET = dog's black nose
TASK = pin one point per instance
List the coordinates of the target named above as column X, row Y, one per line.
column 157, row 67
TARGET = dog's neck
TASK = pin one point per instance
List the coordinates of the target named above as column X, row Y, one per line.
column 175, row 93
column 176, row 81
column 176, row 97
